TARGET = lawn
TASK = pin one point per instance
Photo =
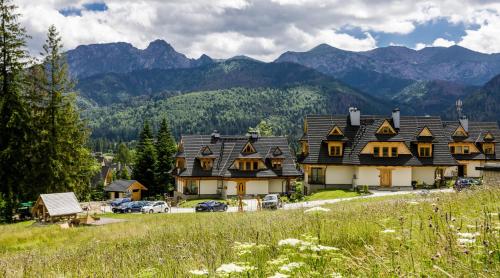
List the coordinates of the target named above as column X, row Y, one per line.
column 441, row 235
column 331, row 194
column 193, row 203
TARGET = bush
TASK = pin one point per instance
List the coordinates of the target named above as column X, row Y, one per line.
column 298, row 192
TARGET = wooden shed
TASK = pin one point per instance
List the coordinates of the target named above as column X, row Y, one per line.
column 125, row 188
column 56, row 206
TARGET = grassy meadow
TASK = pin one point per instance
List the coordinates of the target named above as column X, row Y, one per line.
column 439, row 235
column 331, row 194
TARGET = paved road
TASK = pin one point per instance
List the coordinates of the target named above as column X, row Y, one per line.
column 251, row 204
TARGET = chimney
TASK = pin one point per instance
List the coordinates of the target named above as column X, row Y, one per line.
column 396, row 116
column 465, row 123
column 215, row 135
column 354, row 116
column 254, row 135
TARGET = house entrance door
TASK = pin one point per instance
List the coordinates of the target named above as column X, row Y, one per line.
column 241, row 188
column 385, row 177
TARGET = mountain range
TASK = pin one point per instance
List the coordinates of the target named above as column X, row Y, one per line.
column 427, row 81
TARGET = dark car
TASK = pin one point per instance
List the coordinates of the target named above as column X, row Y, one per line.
column 211, row 206
column 462, row 184
column 120, row 201
column 130, row 207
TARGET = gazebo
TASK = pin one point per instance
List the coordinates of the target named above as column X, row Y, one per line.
column 56, row 206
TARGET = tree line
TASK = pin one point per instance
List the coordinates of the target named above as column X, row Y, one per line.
column 43, row 140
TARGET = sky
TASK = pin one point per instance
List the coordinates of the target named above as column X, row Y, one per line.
column 264, row 29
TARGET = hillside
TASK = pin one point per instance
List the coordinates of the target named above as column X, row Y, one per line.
column 484, row 104
column 231, row 111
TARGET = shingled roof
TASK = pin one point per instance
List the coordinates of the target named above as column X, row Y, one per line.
column 119, row 186
column 226, row 149
column 359, row 136
column 61, row 204
column 476, row 132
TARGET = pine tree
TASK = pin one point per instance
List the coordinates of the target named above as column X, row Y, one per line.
column 67, row 164
column 145, row 161
column 165, row 148
column 123, row 154
column 14, row 119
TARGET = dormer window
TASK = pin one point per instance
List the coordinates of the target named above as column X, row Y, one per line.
column 425, row 132
column 335, row 131
column 206, row 164
column 247, row 165
column 460, row 132
column 463, row 148
column 277, row 164
column 425, row 150
column 305, row 148
column 335, row 148
column 489, row 148
column 386, row 129
column 180, row 163
column 248, row 149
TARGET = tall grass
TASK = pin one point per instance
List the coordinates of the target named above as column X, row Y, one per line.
column 398, row 236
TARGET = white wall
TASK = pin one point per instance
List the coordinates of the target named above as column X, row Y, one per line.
column 208, row 186
column 231, row 187
column 451, row 171
column 257, row 187
column 471, row 168
column 339, row 174
column 277, row 186
column 401, row 176
column 423, row 174
column 368, row 176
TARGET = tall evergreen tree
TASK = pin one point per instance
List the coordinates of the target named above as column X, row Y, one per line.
column 14, row 120
column 145, row 161
column 165, row 148
column 66, row 161
column 123, row 154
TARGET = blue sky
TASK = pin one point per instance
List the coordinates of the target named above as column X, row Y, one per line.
column 264, row 29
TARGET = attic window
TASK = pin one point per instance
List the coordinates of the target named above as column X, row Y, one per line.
column 277, row 164
column 206, row 164
column 386, row 129
column 425, row 132
column 277, row 151
column 460, row 132
column 248, row 149
column 488, row 136
column 425, row 150
column 206, row 151
column 335, row 131
column 489, row 148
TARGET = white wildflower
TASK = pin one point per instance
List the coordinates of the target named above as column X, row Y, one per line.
column 290, row 267
column 230, row 268
column 244, row 245
column 471, row 226
column 388, row 231
column 290, row 241
column 336, row 275
column 316, row 209
column 468, row 235
column 493, row 214
column 413, row 203
column 327, row 248
column 464, row 241
column 278, row 261
column 199, row 272
column 279, row 275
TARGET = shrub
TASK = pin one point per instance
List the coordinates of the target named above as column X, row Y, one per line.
column 298, row 192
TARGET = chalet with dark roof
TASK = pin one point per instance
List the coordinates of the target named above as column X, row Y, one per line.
column 342, row 151
column 218, row 165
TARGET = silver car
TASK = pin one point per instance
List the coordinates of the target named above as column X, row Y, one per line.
column 155, row 207
column 272, row 201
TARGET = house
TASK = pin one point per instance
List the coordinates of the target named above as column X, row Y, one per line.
column 56, row 206
column 125, row 188
column 491, row 173
column 394, row 152
column 221, row 166
column 103, row 177
column 472, row 144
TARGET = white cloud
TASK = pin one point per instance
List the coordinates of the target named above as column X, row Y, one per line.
column 259, row 28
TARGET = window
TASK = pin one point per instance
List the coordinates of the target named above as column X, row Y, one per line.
column 452, row 149
column 241, row 165
column 248, row 148
column 335, row 151
column 317, row 176
column 277, row 164
column 248, row 164
column 424, row 151
column 385, row 151
column 180, row 163
column 255, row 165
column 206, row 164
column 305, row 148
column 458, row 149
column 376, row 151
column 394, row 151
column 489, row 148
column 466, row 149
column 191, row 187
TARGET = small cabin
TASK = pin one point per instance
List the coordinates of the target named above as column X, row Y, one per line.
column 55, row 207
column 125, row 188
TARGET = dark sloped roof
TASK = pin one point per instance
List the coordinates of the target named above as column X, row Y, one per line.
column 119, row 185
column 359, row 136
column 476, row 132
column 227, row 149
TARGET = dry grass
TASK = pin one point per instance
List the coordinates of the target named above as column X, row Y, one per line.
column 421, row 238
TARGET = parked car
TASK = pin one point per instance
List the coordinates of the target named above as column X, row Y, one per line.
column 128, row 207
column 158, row 206
column 272, row 201
column 462, row 183
column 211, row 206
column 120, row 201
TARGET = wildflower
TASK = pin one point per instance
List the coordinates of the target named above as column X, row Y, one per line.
column 290, row 241
column 468, row 235
column 230, row 268
column 244, row 245
column 290, row 267
column 316, row 209
column 493, row 214
column 413, row 203
column 388, row 231
column 471, row 226
column 199, row 272
column 279, row 275
column 464, row 241
column 336, row 275
column 278, row 261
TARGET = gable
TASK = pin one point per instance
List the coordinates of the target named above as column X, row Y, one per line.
column 206, row 151
column 248, row 149
column 460, row 132
column 386, row 128
column 335, row 131
column 425, row 132
column 277, row 151
column 488, row 136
